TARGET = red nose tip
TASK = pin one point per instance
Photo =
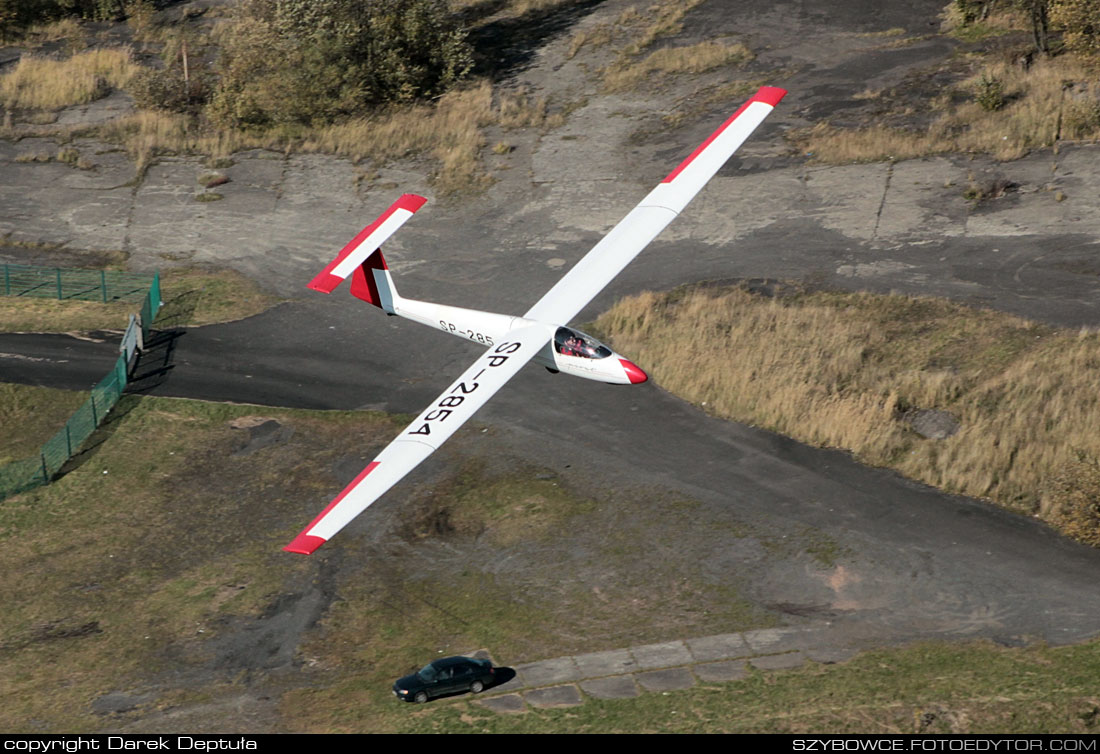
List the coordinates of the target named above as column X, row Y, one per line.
column 635, row 374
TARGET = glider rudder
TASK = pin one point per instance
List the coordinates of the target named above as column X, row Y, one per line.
column 371, row 282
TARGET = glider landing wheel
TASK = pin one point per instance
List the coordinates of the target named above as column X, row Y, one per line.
column 477, row 687
column 421, row 697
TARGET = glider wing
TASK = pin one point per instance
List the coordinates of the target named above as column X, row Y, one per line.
column 634, row 232
column 430, row 430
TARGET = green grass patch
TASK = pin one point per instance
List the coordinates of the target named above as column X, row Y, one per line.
column 191, row 296
column 38, row 412
column 156, row 560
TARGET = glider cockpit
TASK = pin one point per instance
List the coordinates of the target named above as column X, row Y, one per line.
column 570, row 342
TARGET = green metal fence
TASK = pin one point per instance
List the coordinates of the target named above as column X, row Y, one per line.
column 32, row 472
column 70, row 284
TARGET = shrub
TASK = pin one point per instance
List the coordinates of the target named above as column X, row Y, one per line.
column 990, row 94
column 311, row 61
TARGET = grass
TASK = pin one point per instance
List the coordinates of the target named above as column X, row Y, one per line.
column 635, row 30
column 41, row 83
column 161, row 548
column 449, row 130
column 38, row 412
column 842, row 370
column 704, row 56
column 1039, row 109
column 192, row 296
column 927, row 688
column 134, row 552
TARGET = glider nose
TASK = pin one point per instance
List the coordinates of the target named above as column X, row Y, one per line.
column 633, row 373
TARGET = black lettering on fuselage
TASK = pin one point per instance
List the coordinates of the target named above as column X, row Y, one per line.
column 443, row 407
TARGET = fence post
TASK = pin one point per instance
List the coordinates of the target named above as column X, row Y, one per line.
column 7, row 281
column 45, row 474
column 103, row 284
column 95, row 419
column 58, row 282
column 68, row 441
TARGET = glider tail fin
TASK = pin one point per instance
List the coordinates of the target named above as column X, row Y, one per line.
column 373, row 283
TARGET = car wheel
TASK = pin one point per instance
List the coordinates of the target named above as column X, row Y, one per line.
column 421, row 697
column 477, row 687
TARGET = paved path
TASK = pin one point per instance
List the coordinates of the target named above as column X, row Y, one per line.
column 668, row 666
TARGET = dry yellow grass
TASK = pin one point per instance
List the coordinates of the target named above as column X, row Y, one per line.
column 46, row 84
column 704, row 56
column 841, row 370
column 1040, row 111
column 450, row 130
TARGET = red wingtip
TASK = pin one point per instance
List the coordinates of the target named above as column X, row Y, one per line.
column 633, row 373
column 411, row 202
column 769, row 95
column 304, row 544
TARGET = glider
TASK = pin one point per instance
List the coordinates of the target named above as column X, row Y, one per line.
column 540, row 335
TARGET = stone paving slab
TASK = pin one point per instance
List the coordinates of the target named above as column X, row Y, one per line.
column 828, row 655
column 616, row 687
column 669, row 679
column 545, row 672
column 779, row 662
column 554, row 696
column 613, row 662
column 720, row 672
column 662, row 655
column 507, row 704
column 719, row 647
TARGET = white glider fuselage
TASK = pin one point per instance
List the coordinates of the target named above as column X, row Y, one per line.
column 570, row 351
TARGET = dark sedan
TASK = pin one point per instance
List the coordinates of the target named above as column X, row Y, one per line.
column 449, row 675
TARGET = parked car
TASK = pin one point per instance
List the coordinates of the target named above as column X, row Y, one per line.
column 446, row 676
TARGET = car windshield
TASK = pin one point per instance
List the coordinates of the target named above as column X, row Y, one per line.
column 570, row 342
column 427, row 673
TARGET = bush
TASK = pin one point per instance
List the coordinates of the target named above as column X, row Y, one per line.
column 1080, row 23
column 312, row 61
column 990, row 93
column 184, row 84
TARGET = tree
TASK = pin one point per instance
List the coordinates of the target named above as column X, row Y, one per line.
column 1038, row 12
column 1080, row 24
column 310, row 61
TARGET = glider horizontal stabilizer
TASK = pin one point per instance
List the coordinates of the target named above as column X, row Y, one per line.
column 366, row 243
